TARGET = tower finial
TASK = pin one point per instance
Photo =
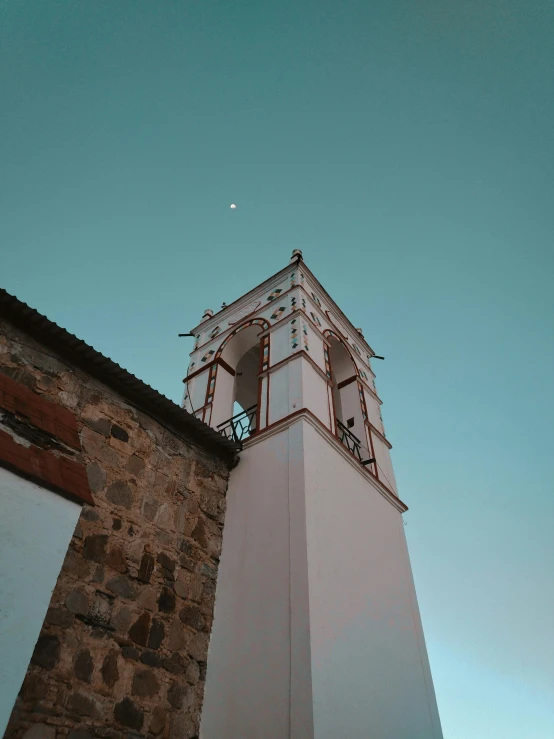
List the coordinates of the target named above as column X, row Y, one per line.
column 296, row 255
column 208, row 313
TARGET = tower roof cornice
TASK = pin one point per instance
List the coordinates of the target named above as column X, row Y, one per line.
column 262, row 288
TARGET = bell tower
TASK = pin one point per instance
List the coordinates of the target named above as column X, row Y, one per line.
column 316, row 632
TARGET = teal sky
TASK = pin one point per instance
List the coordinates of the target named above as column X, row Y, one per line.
column 407, row 148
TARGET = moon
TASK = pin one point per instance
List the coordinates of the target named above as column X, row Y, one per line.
column 233, row 206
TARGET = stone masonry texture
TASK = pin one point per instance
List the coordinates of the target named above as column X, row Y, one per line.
column 123, row 648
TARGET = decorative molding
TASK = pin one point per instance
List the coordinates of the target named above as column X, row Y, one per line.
column 333, row 323
column 307, row 415
column 362, row 399
column 265, row 352
column 294, row 334
column 278, row 313
column 211, row 384
column 329, row 332
column 264, row 323
column 344, row 383
column 379, row 435
column 327, row 361
column 274, row 294
column 305, row 276
column 214, row 332
column 290, row 358
column 298, row 313
column 244, row 312
column 207, row 355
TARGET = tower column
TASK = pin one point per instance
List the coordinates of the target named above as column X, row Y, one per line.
column 316, row 628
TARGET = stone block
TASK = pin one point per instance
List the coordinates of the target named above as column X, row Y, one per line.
column 145, row 683
column 122, row 619
column 158, row 721
column 100, row 425
column 97, row 448
column 148, row 599
column 116, row 559
column 131, row 653
column 209, row 571
column 122, row 586
column 89, row 514
column 140, row 629
column 34, row 687
column 176, row 664
column 119, row 433
column 177, row 637
column 182, row 727
column 166, row 601
column 152, row 659
column 150, row 508
column 95, row 548
column 75, row 565
column 146, row 567
column 110, row 672
column 84, row 666
column 199, row 534
column 208, row 503
column 164, row 517
column 101, row 609
column 47, row 651
column 40, row 731
column 84, row 705
column 157, row 633
column 193, row 673
column 59, row 617
column 80, row 733
column 135, row 465
column 120, row 494
column 166, row 562
column 190, row 615
column 129, row 714
column 198, row 647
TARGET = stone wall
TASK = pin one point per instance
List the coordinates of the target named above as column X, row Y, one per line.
column 123, row 649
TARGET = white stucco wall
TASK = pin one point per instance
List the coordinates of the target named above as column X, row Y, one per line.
column 223, row 397
column 35, row 530
column 370, row 672
column 314, row 393
column 248, row 676
column 197, row 389
column 382, row 455
column 316, row 629
column 279, row 344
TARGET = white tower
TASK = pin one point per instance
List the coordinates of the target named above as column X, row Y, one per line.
column 316, row 633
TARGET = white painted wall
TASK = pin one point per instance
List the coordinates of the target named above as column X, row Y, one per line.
column 370, row 672
column 316, row 629
column 372, row 406
column 36, row 527
column 248, row 677
column 223, row 397
column 286, row 390
column 279, row 344
column 382, row 455
column 352, row 408
column 197, row 389
column 314, row 393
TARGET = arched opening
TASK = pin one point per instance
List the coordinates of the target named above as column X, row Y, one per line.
column 347, row 403
column 235, row 401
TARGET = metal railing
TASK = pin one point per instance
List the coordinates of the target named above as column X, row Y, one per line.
column 239, row 427
column 352, row 443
